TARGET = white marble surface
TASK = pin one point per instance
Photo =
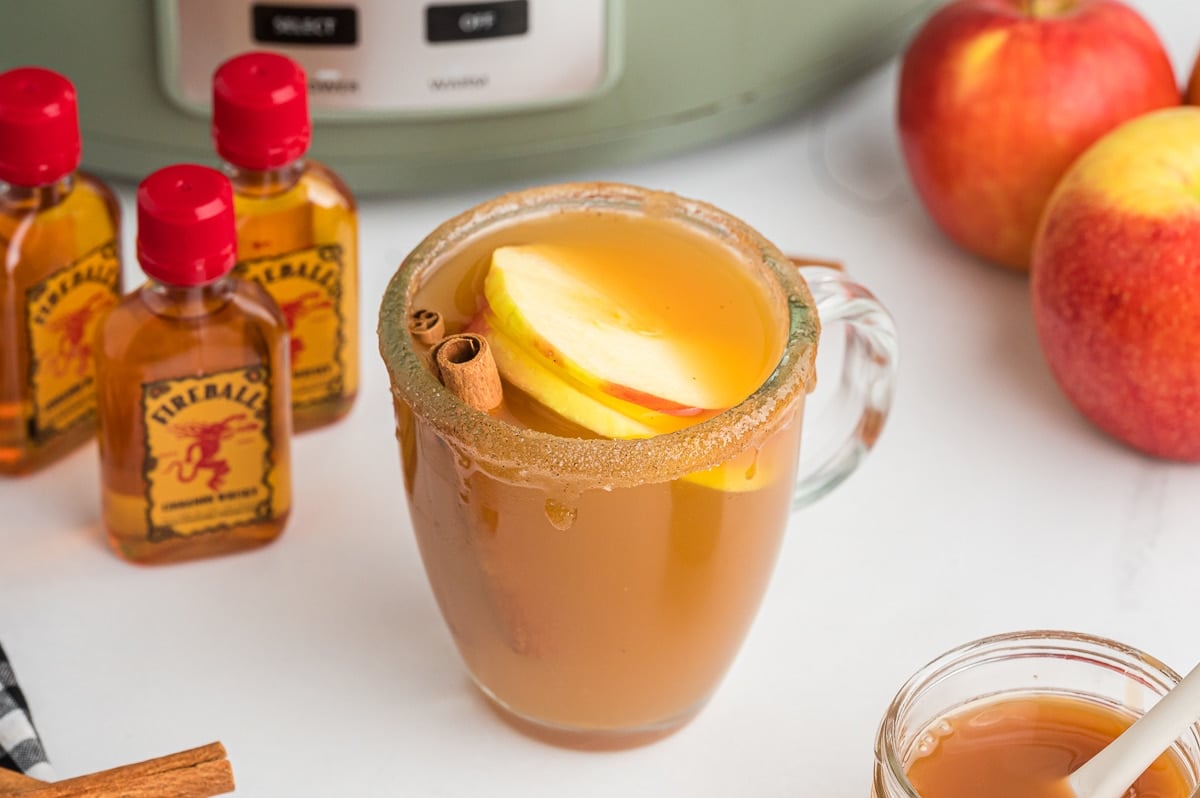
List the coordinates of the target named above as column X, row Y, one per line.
column 321, row 661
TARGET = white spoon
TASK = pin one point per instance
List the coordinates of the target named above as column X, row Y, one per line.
column 1110, row 773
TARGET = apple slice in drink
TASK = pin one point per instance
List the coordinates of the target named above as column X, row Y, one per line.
column 523, row 371
column 605, row 340
column 574, row 400
column 538, row 313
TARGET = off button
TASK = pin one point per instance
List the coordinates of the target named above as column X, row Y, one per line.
column 466, row 22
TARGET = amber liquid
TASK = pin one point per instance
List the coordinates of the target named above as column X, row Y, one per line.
column 159, row 333
column 1025, row 747
column 295, row 209
column 607, row 618
column 43, row 230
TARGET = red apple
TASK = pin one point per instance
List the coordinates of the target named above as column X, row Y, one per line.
column 1116, row 283
column 998, row 97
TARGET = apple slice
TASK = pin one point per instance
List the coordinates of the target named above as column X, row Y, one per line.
column 591, row 334
column 522, row 370
column 570, row 398
column 576, row 403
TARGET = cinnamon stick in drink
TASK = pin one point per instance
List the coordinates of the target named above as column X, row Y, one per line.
column 426, row 326
column 427, row 329
column 464, row 364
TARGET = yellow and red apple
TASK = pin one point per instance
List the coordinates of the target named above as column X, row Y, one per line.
column 998, row 97
column 1116, row 283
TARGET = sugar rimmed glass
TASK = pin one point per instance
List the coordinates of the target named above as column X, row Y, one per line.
column 599, row 589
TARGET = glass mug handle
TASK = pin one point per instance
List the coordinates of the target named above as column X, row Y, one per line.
column 868, row 381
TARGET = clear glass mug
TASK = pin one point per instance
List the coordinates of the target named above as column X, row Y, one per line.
column 598, row 590
column 1018, row 664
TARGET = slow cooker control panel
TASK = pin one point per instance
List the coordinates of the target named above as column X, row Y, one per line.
column 392, row 58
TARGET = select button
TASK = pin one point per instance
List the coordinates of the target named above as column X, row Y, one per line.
column 467, row 22
column 294, row 24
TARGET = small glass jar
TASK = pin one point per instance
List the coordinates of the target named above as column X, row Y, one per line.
column 1021, row 664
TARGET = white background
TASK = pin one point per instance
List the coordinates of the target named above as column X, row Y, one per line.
column 321, row 661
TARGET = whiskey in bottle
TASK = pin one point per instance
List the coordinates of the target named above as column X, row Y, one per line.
column 61, row 272
column 297, row 227
column 192, row 376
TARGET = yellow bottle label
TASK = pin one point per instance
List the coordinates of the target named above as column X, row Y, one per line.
column 208, row 452
column 307, row 286
column 62, row 313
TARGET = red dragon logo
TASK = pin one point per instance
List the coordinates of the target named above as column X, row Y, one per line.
column 201, row 454
column 306, row 304
column 70, row 329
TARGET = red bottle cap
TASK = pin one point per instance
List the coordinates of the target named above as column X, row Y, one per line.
column 39, row 127
column 260, row 111
column 186, row 233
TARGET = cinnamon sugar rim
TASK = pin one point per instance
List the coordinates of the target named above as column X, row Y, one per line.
column 524, row 456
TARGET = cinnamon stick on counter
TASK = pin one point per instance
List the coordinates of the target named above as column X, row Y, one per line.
column 12, row 782
column 465, row 365
column 196, row 773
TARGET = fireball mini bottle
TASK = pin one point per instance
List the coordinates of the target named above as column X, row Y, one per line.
column 192, row 386
column 60, row 270
column 297, row 227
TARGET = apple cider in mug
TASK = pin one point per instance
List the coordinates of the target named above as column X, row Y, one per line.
column 618, row 606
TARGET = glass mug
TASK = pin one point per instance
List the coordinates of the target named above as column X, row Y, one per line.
column 599, row 589
column 1017, row 665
